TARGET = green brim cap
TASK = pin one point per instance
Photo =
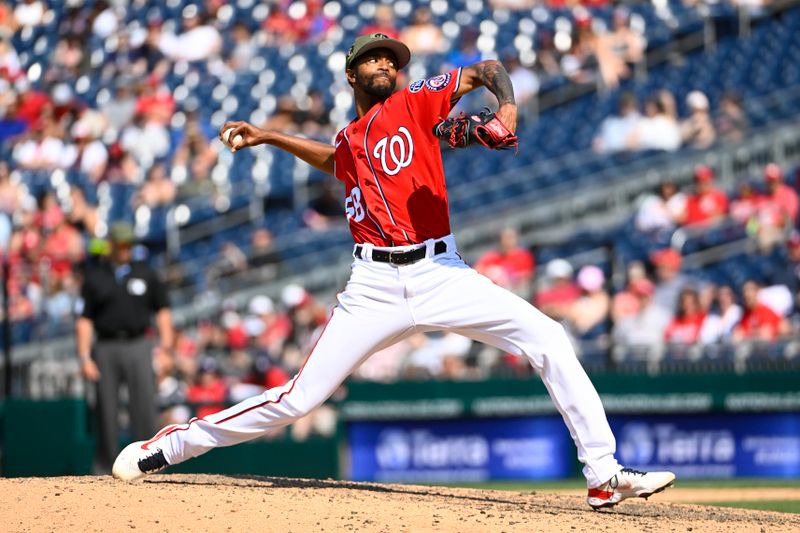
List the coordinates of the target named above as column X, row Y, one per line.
column 365, row 43
column 122, row 233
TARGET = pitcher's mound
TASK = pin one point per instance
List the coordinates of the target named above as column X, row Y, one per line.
column 208, row 503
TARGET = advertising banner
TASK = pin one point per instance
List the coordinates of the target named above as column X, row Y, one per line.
column 460, row 450
column 711, row 446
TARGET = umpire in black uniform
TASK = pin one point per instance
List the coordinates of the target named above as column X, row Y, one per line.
column 119, row 298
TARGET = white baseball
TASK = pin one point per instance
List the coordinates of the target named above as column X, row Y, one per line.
column 226, row 137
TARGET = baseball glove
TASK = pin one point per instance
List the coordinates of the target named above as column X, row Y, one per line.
column 484, row 127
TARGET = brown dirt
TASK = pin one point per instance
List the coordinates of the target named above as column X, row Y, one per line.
column 208, row 503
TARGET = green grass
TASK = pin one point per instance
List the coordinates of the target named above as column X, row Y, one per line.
column 781, row 506
column 739, row 483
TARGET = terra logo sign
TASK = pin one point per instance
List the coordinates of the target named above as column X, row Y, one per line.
column 393, row 450
column 397, row 449
column 665, row 444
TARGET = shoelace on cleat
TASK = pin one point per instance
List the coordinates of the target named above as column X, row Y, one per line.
column 152, row 462
column 632, row 471
column 614, row 481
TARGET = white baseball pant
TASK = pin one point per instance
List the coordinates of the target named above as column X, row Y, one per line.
column 381, row 305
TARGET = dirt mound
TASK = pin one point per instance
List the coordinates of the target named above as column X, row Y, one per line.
column 223, row 503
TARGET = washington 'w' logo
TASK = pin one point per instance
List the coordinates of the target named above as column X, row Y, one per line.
column 400, row 151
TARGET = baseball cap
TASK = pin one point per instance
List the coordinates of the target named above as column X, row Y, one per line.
column 667, row 258
column 697, row 100
column 261, row 305
column 293, row 295
column 371, row 41
column 773, row 172
column 591, row 278
column 703, row 173
column 121, row 232
column 558, row 268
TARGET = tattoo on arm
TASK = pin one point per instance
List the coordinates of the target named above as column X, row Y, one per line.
column 495, row 78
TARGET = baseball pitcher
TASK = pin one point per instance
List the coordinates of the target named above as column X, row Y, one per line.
column 407, row 275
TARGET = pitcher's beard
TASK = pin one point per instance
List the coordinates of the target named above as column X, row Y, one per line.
column 382, row 91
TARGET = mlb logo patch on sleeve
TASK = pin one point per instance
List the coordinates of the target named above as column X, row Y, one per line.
column 416, row 86
column 437, row 83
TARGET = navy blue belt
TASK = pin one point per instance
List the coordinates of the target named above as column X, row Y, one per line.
column 402, row 257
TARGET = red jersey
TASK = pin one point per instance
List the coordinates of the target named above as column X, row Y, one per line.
column 390, row 163
column 779, row 208
column 515, row 266
column 685, row 330
column 704, row 207
column 759, row 322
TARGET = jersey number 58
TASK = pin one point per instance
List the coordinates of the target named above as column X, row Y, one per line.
column 353, row 207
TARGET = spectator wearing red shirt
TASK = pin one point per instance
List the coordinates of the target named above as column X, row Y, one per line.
column 560, row 293
column 778, row 210
column 511, row 266
column 759, row 322
column 272, row 328
column 707, row 204
column 745, row 208
column 32, row 104
column 626, row 302
column 155, row 101
column 209, row 390
column 688, row 321
column 63, row 245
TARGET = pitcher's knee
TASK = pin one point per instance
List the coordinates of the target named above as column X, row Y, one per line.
column 296, row 406
column 557, row 342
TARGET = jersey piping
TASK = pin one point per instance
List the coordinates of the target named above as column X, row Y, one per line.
column 358, row 181
column 375, row 174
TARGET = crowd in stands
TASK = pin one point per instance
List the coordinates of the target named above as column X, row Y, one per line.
column 60, row 148
column 766, row 210
column 136, row 132
column 658, row 127
column 239, row 354
column 657, row 304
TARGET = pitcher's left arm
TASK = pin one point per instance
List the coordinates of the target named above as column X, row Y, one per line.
column 492, row 75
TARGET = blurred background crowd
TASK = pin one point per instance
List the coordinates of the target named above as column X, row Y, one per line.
column 109, row 111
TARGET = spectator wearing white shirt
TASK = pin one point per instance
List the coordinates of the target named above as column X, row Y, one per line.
column 647, row 325
column 199, row 40
column 43, row 150
column 524, row 80
column 697, row 130
column 146, row 140
column 10, row 67
column 661, row 211
column 29, row 13
column 88, row 154
column 658, row 129
column 616, row 129
column 120, row 108
column 105, row 20
column 244, row 49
